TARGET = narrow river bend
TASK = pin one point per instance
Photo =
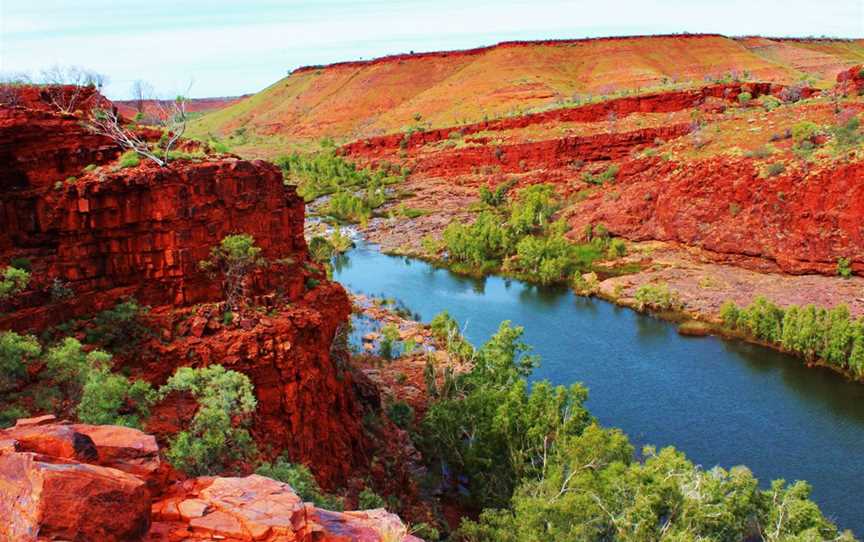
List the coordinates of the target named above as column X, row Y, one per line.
column 721, row 402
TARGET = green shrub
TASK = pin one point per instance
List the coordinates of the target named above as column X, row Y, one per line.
column 662, row 496
column 368, row 500
column 9, row 415
column 111, row 399
column 769, row 103
column 389, row 341
column 847, row 135
column 775, row 169
column 844, row 268
column 216, row 436
column 744, row 98
column 401, row 414
column 548, row 259
column 814, row 333
column 484, row 240
column 498, row 196
column 533, row 209
column 23, row 264
column 13, row 281
column 511, row 426
column 69, row 366
column 657, row 297
column 446, row 329
column 128, row 159
column 617, row 248
column 16, row 352
column 608, row 175
column 301, row 480
column 804, row 131
column 120, row 328
column 234, row 258
column 327, row 173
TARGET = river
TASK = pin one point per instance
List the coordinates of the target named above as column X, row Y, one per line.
column 721, row 402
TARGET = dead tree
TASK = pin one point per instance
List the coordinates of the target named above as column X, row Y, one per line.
column 141, row 92
column 10, row 87
column 172, row 119
column 108, row 123
column 67, row 87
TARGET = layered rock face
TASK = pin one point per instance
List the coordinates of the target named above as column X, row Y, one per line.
column 62, row 481
column 307, row 404
column 142, row 232
column 795, row 222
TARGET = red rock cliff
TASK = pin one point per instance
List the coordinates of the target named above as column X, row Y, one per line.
column 141, row 232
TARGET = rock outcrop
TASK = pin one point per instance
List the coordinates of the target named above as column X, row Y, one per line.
column 307, row 404
column 797, row 222
column 851, row 81
column 258, row 508
column 55, row 482
column 141, row 232
column 61, row 481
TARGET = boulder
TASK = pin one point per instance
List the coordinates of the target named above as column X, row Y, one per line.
column 69, row 501
column 255, row 508
column 123, row 448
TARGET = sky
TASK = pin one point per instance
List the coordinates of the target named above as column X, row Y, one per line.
column 233, row 47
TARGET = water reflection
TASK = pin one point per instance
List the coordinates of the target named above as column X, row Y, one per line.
column 721, row 402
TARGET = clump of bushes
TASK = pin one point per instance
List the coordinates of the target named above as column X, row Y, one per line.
column 217, row 435
column 657, row 297
column 831, row 335
column 769, row 103
column 128, row 159
column 12, row 281
column 326, row 173
column 844, row 268
column 774, row 169
column 744, row 98
column 542, row 469
column 522, row 239
column 606, row 176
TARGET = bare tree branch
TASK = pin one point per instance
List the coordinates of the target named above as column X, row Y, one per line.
column 66, row 86
column 108, row 123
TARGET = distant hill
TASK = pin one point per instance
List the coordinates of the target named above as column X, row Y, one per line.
column 129, row 108
column 351, row 100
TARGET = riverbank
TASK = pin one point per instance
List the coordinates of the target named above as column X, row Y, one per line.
column 700, row 284
column 704, row 396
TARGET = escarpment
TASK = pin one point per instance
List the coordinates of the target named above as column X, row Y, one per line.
column 101, row 233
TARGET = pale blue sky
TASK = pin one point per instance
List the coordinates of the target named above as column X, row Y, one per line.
column 230, row 47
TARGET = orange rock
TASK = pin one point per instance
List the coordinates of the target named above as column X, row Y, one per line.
column 69, row 501
column 123, row 448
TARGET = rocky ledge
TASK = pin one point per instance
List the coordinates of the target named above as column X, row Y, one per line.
column 77, row 482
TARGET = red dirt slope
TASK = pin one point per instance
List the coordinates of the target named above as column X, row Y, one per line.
column 362, row 99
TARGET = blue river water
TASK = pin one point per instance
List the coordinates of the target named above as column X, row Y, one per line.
column 721, row 402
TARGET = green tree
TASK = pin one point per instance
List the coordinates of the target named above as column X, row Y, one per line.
column 111, row 399
column 494, row 431
column 533, row 208
column 16, row 351
column 13, row 281
column 593, row 490
column 216, row 436
column 70, row 366
column 234, row 258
